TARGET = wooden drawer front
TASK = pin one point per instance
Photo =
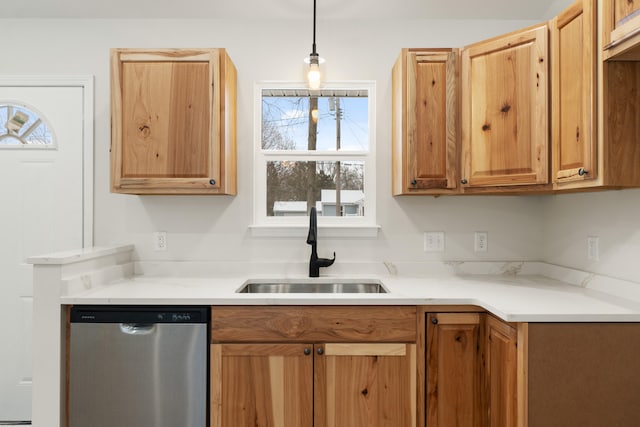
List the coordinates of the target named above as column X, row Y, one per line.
column 313, row 323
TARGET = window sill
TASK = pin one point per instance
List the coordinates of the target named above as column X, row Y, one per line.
column 298, row 230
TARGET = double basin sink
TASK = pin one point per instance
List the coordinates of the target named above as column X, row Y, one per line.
column 313, row 287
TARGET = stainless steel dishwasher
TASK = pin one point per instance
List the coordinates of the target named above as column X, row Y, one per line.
column 138, row 366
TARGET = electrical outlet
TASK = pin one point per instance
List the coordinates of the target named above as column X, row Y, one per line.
column 434, row 241
column 593, row 248
column 481, row 241
column 160, row 241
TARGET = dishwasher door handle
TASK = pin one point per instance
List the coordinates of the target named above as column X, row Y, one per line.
column 137, row 328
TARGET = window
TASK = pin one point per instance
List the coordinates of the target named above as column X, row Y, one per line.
column 21, row 127
column 315, row 148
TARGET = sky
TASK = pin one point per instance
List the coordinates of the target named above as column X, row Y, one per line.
column 290, row 116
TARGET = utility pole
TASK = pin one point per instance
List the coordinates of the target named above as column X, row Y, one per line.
column 311, row 146
column 338, row 172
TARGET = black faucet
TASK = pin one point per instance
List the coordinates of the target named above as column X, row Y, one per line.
column 312, row 239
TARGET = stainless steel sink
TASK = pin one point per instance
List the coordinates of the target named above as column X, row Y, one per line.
column 368, row 287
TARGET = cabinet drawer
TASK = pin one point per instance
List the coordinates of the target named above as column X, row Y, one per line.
column 313, row 323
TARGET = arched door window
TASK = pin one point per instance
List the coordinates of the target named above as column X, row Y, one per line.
column 22, row 126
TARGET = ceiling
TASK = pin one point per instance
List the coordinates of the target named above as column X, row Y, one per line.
column 281, row 9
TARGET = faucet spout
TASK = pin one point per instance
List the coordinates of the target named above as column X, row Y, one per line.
column 312, row 239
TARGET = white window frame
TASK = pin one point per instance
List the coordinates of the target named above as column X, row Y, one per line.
column 265, row 226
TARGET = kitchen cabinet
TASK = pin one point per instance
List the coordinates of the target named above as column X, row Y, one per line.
column 574, row 119
column 425, row 122
column 621, row 29
column 474, row 369
column 262, row 385
column 501, row 373
column 453, row 369
column 505, row 110
column 313, row 366
column 173, row 121
column 595, row 104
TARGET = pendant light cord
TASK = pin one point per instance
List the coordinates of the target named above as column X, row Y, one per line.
column 314, row 28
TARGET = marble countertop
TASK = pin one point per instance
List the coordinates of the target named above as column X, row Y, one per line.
column 512, row 297
column 514, row 291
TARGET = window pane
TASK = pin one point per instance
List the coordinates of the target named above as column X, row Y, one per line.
column 340, row 120
column 21, row 126
column 293, row 187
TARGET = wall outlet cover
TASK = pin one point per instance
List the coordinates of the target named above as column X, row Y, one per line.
column 593, row 248
column 434, row 241
column 160, row 241
column 481, row 241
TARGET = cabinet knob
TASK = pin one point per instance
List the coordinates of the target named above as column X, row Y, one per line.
column 212, row 181
column 320, row 351
column 434, row 320
column 414, row 182
column 307, row 351
column 582, row 171
column 464, row 181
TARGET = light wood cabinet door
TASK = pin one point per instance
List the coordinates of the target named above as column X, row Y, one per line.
column 501, row 371
column 262, row 385
column 173, row 121
column 621, row 29
column 574, row 118
column 505, row 110
column 365, row 385
column 425, row 122
column 320, row 366
column 453, row 370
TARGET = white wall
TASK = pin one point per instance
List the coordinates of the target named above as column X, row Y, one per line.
column 215, row 228
column 612, row 216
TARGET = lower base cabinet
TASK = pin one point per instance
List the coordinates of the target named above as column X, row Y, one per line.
column 471, row 366
column 261, row 385
column 299, row 385
column 383, row 366
column 453, row 361
column 310, row 370
column 500, row 373
column 481, row 371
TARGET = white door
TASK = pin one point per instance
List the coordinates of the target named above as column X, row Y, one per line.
column 41, row 211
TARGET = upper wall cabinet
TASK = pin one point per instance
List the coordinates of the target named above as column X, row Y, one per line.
column 505, row 110
column 595, row 102
column 425, row 122
column 173, row 121
column 573, row 50
column 621, row 28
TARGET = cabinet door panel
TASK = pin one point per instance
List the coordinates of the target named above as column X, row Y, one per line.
column 365, row 385
column 425, row 122
column 501, row 373
column 173, row 121
column 453, row 370
column 574, row 88
column 624, row 8
column 432, row 137
column 504, row 117
column 165, row 119
column 261, row 385
column 626, row 18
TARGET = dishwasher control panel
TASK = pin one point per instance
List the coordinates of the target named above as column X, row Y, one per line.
column 139, row 314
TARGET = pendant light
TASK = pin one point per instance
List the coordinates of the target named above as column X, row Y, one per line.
column 314, row 60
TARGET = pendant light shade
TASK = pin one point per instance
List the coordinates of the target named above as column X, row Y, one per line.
column 314, row 76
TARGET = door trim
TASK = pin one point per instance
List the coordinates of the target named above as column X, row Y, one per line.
column 86, row 82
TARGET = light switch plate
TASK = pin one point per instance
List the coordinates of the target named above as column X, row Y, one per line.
column 434, row 241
